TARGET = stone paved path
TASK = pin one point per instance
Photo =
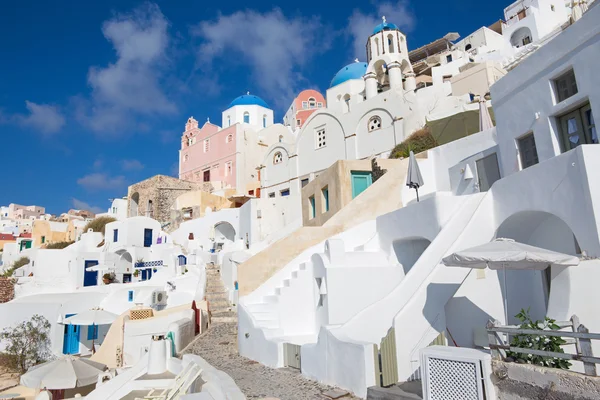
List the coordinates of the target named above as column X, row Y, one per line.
column 218, row 346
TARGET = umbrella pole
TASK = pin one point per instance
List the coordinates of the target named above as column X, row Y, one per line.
column 505, row 297
column 417, row 189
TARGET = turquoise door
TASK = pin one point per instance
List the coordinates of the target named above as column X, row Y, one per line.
column 71, row 340
column 361, row 180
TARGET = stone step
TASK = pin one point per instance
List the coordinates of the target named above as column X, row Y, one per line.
column 224, row 320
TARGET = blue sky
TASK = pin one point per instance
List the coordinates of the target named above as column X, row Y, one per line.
column 94, row 95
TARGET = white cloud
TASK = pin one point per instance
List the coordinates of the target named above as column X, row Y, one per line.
column 100, row 181
column 132, row 165
column 132, row 85
column 82, row 205
column 43, row 118
column 360, row 25
column 275, row 47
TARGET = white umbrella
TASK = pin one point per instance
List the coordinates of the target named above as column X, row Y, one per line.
column 507, row 254
column 95, row 316
column 485, row 120
column 67, row 372
column 414, row 180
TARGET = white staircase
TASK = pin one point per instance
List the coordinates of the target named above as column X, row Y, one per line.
column 266, row 313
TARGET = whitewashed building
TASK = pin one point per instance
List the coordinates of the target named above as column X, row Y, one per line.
column 531, row 179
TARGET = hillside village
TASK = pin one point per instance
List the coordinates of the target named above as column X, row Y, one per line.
column 320, row 256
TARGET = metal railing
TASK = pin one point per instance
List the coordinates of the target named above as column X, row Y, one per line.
column 579, row 336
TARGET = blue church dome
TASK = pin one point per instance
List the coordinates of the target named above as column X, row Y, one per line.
column 355, row 70
column 248, row 100
column 385, row 26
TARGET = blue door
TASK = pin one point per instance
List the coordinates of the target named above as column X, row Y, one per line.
column 147, row 237
column 146, row 274
column 182, row 260
column 90, row 278
column 71, row 339
column 361, row 180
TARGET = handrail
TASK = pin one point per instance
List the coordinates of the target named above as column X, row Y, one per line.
column 579, row 332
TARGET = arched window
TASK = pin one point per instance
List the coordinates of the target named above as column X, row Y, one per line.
column 377, row 45
column 228, row 120
column 312, row 103
column 229, row 138
column 278, row 158
column 468, row 47
column 347, row 103
column 247, row 117
column 374, row 123
column 391, row 43
column 264, row 121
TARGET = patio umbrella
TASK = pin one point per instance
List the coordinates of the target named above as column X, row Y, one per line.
column 93, row 317
column 485, row 120
column 414, row 180
column 507, row 254
column 66, row 372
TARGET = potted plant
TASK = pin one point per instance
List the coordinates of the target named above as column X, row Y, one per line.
column 107, row 278
column 136, row 273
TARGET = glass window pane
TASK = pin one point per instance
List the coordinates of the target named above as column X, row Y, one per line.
column 571, row 126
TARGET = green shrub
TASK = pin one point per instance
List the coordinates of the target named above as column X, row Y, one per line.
column 98, row 224
column 27, row 344
column 538, row 342
column 16, row 265
column 418, row 142
column 58, row 245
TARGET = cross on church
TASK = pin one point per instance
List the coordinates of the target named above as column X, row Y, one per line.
column 356, row 60
column 383, row 18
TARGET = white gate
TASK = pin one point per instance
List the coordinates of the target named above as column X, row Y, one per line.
column 291, row 355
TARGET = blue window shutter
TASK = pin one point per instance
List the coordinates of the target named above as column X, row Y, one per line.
column 92, row 332
column 115, row 235
column 130, row 295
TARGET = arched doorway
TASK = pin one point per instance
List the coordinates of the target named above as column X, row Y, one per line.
column 181, row 260
column 531, row 289
column 521, row 37
column 224, row 233
column 124, row 266
column 134, row 204
column 408, row 250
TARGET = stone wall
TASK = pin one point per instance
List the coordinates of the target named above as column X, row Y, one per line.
column 7, row 289
column 162, row 191
column 529, row 382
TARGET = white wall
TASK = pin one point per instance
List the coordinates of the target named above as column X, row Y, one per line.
column 524, row 102
column 137, row 334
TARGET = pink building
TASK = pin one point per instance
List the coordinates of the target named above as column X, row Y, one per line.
column 229, row 157
column 306, row 103
column 208, row 154
column 16, row 211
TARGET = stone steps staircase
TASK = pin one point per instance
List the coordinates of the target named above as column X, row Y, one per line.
column 217, row 296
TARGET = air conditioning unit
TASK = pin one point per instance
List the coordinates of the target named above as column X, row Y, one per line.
column 456, row 373
column 159, row 300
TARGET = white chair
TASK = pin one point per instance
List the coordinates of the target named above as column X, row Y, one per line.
column 180, row 385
